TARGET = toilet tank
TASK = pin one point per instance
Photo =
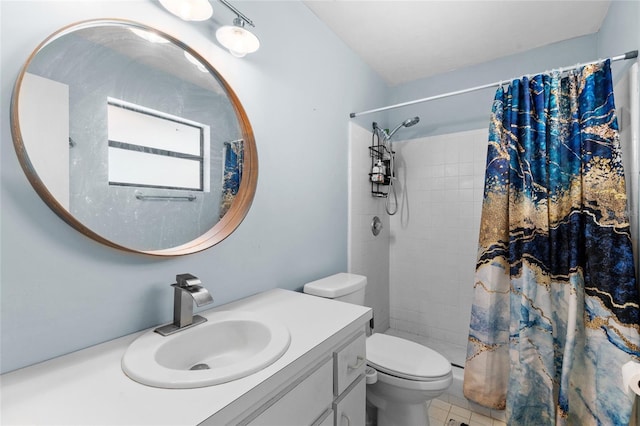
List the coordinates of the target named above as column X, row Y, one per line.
column 343, row 286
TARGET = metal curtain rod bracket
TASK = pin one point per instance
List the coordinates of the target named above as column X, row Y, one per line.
column 189, row 197
column 629, row 55
column 237, row 12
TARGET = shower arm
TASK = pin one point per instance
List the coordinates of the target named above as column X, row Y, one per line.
column 387, row 135
column 390, row 134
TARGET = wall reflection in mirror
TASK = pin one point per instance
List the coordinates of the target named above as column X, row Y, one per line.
column 133, row 138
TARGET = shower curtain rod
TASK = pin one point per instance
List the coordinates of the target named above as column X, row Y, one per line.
column 629, row 55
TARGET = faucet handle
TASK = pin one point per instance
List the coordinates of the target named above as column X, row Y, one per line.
column 187, row 280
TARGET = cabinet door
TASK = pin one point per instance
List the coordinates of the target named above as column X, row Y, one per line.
column 350, row 408
column 350, row 363
column 303, row 404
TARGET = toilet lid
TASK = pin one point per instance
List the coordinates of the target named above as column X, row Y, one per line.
column 403, row 358
column 336, row 285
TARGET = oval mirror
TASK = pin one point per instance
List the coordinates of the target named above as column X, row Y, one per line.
column 132, row 138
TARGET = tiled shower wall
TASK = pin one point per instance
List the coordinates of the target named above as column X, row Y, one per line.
column 434, row 236
column 368, row 254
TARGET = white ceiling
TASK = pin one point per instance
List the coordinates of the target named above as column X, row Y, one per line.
column 409, row 40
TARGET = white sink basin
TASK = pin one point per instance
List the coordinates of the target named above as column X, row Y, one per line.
column 229, row 346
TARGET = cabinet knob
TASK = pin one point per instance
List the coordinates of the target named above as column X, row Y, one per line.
column 345, row 417
column 359, row 362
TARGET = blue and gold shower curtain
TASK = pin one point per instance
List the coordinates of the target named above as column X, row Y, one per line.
column 555, row 312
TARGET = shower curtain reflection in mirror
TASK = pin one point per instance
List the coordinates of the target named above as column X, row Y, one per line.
column 233, row 157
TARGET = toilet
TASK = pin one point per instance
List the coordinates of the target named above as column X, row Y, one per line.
column 408, row 374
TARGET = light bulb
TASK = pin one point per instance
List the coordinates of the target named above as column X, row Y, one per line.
column 238, row 40
column 185, row 10
column 189, row 10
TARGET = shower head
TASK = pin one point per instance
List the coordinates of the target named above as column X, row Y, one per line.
column 411, row 121
column 406, row 123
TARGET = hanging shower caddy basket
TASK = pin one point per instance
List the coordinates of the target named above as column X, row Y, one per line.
column 380, row 179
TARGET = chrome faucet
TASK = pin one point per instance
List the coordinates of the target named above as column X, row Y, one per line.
column 187, row 290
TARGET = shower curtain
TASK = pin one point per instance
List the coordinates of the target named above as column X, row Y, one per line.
column 555, row 312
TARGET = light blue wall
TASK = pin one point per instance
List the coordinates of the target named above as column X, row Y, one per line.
column 61, row 291
column 471, row 110
column 620, row 32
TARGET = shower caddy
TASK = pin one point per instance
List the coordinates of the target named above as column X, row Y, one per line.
column 380, row 170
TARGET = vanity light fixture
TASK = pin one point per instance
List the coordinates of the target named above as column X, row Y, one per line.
column 189, row 10
column 236, row 38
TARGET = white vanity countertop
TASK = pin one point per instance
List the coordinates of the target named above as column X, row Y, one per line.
column 88, row 387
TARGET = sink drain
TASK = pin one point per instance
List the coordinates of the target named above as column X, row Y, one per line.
column 200, row 367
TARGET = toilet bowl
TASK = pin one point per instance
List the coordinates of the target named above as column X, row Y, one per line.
column 408, row 374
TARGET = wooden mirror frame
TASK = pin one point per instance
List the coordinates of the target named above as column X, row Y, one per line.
column 221, row 230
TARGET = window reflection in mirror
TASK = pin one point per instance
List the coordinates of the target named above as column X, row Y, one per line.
column 131, row 138
column 144, row 144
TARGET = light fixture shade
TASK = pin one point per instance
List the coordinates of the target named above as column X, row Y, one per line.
column 238, row 40
column 189, row 10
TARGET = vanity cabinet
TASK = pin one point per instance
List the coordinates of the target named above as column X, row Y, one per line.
column 318, row 381
column 303, row 404
column 349, row 408
column 330, row 392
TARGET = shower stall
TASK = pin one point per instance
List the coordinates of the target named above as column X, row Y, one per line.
column 421, row 266
column 433, row 243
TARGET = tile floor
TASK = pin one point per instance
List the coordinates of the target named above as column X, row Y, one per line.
column 440, row 412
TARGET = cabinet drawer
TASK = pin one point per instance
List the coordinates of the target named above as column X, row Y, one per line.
column 303, row 404
column 349, row 363
column 350, row 408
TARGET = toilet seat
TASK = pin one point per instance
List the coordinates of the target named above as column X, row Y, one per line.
column 434, row 385
column 407, row 360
